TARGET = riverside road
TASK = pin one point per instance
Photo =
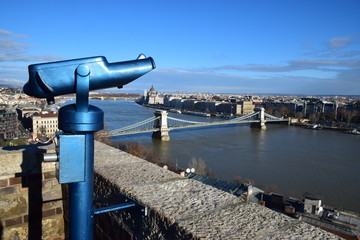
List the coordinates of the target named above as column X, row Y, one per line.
column 288, row 160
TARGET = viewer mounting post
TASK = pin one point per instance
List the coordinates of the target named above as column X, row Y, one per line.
column 79, row 122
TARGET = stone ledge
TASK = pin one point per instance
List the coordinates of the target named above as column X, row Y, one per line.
column 198, row 209
column 24, row 160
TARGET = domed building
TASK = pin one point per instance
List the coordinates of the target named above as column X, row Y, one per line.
column 152, row 90
column 152, row 97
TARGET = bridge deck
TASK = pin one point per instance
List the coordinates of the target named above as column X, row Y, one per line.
column 175, row 123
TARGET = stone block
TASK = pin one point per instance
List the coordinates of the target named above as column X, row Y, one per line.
column 53, row 194
column 13, row 221
column 49, row 175
column 15, row 233
column 15, row 180
column 53, row 228
column 51, row 205
column 11, row 206
column 26, row 218
column 48, row 213
column 9, row 190
column 59, row 210
column 47, row 184
column 4, row 182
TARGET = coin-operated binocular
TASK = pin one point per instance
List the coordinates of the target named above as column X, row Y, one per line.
column 48, row 80
column 79, row 121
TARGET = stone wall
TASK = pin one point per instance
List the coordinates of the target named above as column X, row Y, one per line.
column 30, row 196
column 168, row 206
column 173, row 207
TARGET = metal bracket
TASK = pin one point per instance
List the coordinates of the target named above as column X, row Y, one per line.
column 115, row 207
column 71, row 167
column 121, row 206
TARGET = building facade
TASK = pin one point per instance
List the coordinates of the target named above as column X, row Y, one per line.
column 9, row 125
column 44, row 124
column 247, row 107
column 152, row 97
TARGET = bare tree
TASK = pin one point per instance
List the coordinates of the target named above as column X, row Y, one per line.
column 314, row 117
column 103, row 136
column 299, row 115
column 284, row 111
column 42, row 131
column 269, row 110
column 201, row 167
column 145, row 153
column 241, row 180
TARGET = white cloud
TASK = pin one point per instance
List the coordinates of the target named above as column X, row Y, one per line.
column 11, row 82
column 340, row 42
column 13, row 58
column 12, row 50
column 293, row 65
column 303, row 76
column 336, row 47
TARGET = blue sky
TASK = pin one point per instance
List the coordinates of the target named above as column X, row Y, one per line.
column 288, row 47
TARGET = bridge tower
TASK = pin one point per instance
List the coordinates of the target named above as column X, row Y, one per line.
column 261, row 118
column 161, row 124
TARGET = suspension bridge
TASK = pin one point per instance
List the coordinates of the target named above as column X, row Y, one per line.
column 161, row 123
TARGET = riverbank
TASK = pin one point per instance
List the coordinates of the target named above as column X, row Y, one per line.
column 180, row 111
column 339, row 127
column 320, row 126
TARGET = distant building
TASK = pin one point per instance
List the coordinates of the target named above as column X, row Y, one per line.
column 312, row 204
column 189, row 104
column 9, row 125
column 25, row 116
column 319, row 106
column 44, row 124
column 173, row 101
column 206, row 106
column 229, row 108
column 247, row 107
column 152, row 97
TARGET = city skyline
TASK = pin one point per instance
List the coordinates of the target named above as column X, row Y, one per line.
column 280, row 47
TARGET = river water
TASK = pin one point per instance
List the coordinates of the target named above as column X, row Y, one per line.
column 284, row 159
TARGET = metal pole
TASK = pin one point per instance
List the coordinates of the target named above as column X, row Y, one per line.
column 81, row 119
column 81, row 205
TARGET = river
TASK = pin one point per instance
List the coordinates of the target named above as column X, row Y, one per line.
column 285, row 159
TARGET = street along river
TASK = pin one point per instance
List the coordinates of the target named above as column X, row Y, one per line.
column 284, row 159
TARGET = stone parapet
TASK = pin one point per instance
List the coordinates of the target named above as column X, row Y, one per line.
column 30, row 196
column 180, row 208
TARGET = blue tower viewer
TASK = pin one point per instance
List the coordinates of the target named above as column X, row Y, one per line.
column 79, row 122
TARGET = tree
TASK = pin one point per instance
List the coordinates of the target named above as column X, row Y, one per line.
column 103, row 136
column 299, row 115
column 284, row 111
column 269, row 110
column 145, row 153
column 201, row 167
column 314, row 117
column 42, row 131
column 348, row 115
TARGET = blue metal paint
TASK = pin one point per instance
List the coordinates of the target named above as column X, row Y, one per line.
column 71, row 168
column 48, row 80
column 81, row 205
column 113, row 208
column 79, row 121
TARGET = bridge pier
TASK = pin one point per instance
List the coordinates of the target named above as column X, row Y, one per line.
column 261, row 118
column 161, row 124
